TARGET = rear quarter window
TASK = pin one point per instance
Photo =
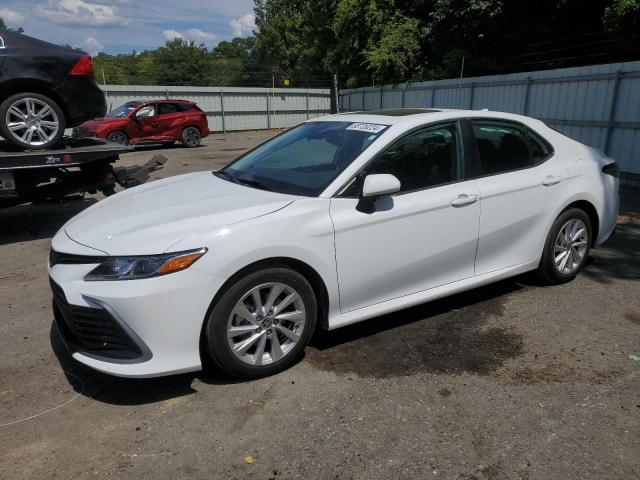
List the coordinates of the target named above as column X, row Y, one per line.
column 541, row 150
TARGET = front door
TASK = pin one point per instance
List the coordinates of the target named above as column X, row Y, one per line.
column 423, row 237
column 145, row 123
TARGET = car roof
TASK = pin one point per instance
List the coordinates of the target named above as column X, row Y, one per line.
column 171, row 100
column 415, row 116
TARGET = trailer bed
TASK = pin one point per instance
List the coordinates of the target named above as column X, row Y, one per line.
column 73, row 166
column 69, row 152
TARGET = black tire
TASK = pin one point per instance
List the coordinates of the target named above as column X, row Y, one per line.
column 191, row 137
column 118, row 137
column 547, row 269
column 37, row 142
column 215, row 331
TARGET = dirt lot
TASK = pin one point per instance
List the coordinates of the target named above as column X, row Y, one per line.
column 514, row 380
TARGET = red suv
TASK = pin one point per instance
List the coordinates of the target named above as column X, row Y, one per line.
column 153, row 121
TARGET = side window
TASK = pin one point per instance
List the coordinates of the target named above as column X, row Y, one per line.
column 184, row 107
column 148, row 111
column 423, row 159
column 502, row 147
column 167, row 108
column 540, row 149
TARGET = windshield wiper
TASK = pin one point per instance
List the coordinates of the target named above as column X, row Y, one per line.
column 225, row 175
column 241, row 181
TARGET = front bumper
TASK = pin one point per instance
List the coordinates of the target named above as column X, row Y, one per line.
column 134, row 328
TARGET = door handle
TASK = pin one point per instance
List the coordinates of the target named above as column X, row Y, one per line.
column 550, row 181
column 464, row 200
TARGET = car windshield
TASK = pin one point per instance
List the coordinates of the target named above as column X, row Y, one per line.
column 305, row 159
column 123, row 110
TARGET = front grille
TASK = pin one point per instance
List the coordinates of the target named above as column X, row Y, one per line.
column 91, row 330
column 82, row 132
column 67, row 258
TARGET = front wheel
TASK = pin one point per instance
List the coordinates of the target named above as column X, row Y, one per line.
column 262, row 324
column 567, row 247
column 118, row 137
column 191, row 137
column 31, row 121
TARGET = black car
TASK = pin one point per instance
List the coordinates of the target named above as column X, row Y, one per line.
column 44, row 88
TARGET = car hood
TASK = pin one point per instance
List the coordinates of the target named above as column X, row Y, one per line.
column 96, row 122
column 149, row 219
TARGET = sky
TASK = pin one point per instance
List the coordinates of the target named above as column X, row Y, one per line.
column 120, row 26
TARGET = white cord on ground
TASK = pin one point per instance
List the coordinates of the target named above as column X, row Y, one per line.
column 51, row 409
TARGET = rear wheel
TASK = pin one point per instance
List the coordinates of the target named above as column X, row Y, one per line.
column 31, row 121
column 567, row 247
column 118, row 137
column 261, row 325
column 191, row 137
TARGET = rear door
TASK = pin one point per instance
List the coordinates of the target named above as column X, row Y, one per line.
column 521, row 185
column 169, row 119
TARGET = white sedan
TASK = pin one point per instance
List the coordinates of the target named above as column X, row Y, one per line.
column 337, row 220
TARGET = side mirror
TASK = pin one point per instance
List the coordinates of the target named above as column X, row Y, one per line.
column 374, row 187
column 379, row 185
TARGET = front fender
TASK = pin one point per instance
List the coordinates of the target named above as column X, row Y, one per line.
column 301, row 231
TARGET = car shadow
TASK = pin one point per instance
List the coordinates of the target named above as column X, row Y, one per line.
column 33, row 221
column 493, row 347
column 618, row 258
column 453, row 335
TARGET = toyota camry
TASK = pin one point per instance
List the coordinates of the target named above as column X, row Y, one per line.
column 338, row 220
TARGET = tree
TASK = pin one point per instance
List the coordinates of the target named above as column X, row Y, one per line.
column 623, row 17
column 231, row 61
column 181, row 62
column 3, row 26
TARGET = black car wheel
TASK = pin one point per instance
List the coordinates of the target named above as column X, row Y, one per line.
column 31, row 121
column 118, row 137
column 191, row 137
column 262, row 323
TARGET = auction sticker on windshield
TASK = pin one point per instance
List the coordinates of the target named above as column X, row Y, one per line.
column 366, row 127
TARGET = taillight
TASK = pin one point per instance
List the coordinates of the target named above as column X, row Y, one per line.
column 83, row 67
column 611, row 169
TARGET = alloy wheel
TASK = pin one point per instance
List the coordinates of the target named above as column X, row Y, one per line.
column 32, row 121
column 118, row 137
column 266, row 324
column 570, row 246
column 191, row 136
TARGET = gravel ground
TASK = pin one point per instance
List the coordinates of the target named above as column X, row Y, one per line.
column 513, row 380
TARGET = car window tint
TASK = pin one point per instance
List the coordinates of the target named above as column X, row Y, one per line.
column 502, row 147
column 307, row 158
column 147, row 111
column 423, row 159
column 184, row 107
column 540, row 149
column 167, row 108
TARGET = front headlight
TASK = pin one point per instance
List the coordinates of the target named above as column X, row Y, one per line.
column 146, row 266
